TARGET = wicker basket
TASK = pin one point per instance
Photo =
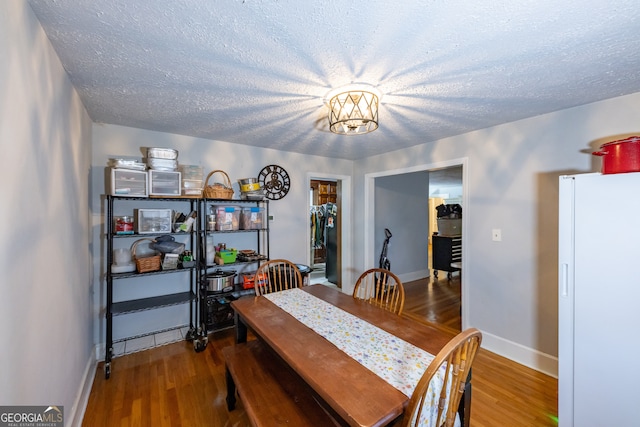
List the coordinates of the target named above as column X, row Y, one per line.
column 218, row 190
column 146, row 264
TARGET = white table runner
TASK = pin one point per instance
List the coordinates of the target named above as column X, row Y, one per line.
column 396, row 361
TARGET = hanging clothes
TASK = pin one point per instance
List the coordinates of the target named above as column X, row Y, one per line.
column 317, row 222
column 313, row 222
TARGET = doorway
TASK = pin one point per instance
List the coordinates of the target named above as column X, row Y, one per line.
column 460, row 167
column 322, row 192
column 445, row 188
column 325, row 219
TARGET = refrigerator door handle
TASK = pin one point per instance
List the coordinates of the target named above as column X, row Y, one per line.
column 564, row 286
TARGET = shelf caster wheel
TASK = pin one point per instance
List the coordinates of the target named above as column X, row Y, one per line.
column 449, row 276
column 107, row 370
column 435, row 273
column 191, row 334
column 200, row 345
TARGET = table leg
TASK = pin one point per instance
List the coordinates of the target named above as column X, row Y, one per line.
column 231, row 390
column 241, row 329
column 464, row 408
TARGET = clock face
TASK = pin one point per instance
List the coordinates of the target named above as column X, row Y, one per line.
column 275, row 182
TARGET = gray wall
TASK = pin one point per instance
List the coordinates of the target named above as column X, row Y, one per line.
column 51, row 293
column 511, row 183
column 45, row 300
column 401, row 205
column 289, row 237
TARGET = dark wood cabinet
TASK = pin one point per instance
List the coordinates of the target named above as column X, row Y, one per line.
column 327, row 192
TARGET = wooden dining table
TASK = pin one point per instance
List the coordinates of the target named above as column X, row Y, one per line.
column 355, row 394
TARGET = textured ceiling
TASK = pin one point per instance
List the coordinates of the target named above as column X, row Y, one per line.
column 256, row 72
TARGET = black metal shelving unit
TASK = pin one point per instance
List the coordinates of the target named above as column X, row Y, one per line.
column 143, row 304
column 150, row 303
column 215, row 312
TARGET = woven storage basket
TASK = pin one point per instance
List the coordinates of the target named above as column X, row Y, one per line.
column 218, row 190
column 146, row 264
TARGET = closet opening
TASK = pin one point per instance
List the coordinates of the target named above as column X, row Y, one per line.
column 325, row 231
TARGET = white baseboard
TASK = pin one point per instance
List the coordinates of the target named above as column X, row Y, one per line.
column 414, row 275
column 76, row 415
column 526, row 356
column 99, row 351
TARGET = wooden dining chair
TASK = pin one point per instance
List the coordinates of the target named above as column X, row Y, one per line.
column 455, row 361
column 381, row 288
column 277, row 275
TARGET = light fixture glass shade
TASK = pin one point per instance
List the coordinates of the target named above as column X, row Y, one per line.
column 354, row 112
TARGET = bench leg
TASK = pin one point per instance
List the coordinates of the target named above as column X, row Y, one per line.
column 231, row 390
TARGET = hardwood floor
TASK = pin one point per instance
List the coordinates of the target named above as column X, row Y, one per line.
column 434, row 301
column 174, row 386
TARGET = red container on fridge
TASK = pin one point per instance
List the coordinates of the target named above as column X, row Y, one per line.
column 620, row 156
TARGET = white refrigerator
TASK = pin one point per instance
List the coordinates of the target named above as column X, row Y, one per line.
column 599, row 300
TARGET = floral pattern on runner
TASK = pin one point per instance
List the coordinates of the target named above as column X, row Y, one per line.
column 398, row 362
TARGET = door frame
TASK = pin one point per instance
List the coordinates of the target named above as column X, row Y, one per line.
column 369, row 217
column 343, row 201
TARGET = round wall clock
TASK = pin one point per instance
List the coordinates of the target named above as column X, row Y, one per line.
column 275, row 181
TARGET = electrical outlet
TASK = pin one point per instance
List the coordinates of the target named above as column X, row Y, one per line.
column 496, row 235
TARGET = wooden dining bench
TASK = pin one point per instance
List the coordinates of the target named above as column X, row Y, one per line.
column 271, row 393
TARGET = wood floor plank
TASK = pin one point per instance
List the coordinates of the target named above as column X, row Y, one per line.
column 173, row 385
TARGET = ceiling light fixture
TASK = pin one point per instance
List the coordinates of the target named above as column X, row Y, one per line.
column 353, row 110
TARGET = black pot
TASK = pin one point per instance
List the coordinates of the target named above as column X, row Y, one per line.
column 220, row 280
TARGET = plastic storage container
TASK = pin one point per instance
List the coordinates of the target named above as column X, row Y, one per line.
column 227, row 218
column 153, row 221
column 192, row 182
column 123, row 224
column 449, row 227
column 248, row 280
column 228, row 256
column 252, row 218
column 128, row 183
column 164, row 183
column 211, row 250
column 192, row 187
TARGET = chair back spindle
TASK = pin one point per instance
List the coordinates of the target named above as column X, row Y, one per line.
column 381, row 288
column 277, row 275
column 455, row 361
